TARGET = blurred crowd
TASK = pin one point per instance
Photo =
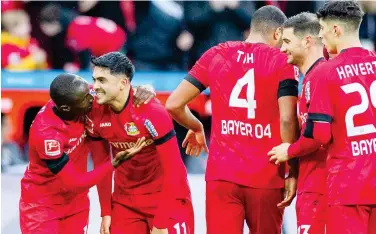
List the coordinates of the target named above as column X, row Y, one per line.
column 156, row 35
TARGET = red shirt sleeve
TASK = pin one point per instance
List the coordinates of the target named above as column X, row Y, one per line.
column 160, row 127
column 49, row 145
column 199, row 74
column 320, row 108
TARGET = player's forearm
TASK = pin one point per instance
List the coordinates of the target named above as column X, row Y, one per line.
column 100, row 154
column 173, row 168
column 184, row 117
column 289, row 128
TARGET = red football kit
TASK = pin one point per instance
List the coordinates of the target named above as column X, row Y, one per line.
column 151, row 189
column 54, row 189
column 342, row 113
column 311, row 197
column 245, row 83
column 99, row 35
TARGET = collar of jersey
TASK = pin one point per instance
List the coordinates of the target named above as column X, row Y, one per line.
column 351, row 48
column 313, row 65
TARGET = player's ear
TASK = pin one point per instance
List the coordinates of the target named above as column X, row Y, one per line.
column 277, row 34
column 337, row 30
column 307, row 41
column 124, row 83
column 65, row 108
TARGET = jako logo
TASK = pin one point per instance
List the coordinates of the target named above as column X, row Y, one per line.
column 105, row 125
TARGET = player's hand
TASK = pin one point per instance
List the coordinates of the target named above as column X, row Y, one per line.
column 129, row 153
column 143, row 94
column 159, row 231
column 290, row 191
column 195, row 142
column 105, row 225
column 278, row 154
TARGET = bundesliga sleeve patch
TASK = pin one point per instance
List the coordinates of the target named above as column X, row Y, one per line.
column 52, row 147
column 150, row 127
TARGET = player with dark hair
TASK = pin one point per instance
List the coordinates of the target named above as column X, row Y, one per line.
column 342, row 114
column 254, row 94
column 151, row 193
column 56, row 183
column 304, row 49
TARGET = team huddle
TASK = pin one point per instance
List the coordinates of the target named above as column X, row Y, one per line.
column 268, row 144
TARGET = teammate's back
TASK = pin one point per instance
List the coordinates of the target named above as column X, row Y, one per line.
column 351, row 88
column 245, row 80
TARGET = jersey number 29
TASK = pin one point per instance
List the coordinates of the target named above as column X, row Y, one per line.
column 353, row 130
column 250, row 102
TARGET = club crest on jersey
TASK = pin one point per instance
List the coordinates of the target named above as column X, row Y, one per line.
column 52, row 147
column 307, row 91
column 131, row 129
column 150, row 127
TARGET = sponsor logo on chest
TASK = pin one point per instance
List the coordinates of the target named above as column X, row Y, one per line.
column 131, row 129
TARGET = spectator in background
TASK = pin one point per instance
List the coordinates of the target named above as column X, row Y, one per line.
column 213, row 22
column 154, row 45
column 19, row 50
column 83, row 35
column 10, row 152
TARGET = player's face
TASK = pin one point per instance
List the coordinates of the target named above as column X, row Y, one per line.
column 292, row 46
column 83, row 100
column 108, row 86
column 327, row 36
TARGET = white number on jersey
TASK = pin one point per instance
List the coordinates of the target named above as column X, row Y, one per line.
column 304, row 228
column 177, row 228
column 353, row 130
column 249, row 103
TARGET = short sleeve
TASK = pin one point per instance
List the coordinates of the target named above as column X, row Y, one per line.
column 49, row 145
column 199, row 74
column 320, row 108
column 288, row 77
column 159, row 123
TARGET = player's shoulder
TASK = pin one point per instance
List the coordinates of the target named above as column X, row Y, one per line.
column 153, row 107
column 47, row 123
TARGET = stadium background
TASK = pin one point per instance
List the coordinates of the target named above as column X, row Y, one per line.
column 163, row 39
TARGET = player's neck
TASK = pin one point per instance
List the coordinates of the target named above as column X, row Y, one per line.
column 314, row 54
column 348, row 42
column 118, row 103
column 256, row 38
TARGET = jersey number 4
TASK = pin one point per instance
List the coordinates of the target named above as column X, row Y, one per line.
column 353, row 130
column 249, row 103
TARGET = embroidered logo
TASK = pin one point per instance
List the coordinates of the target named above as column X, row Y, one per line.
column 150, row 127
column 308, row 91
column 131, row 129
column 52, row 147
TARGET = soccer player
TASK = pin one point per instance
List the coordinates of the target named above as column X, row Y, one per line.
column 254, row 94
column 151, row 193
column 54, row 189
column 304, row 49
column 342, row 114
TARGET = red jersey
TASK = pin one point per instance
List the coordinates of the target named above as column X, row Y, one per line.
column 345, row 96
column 49, row 137
column 144, row 173
column 312, row 167
column 245, row 83
column 99, row 35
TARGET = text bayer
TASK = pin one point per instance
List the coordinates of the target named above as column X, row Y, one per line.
column 234, row 127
